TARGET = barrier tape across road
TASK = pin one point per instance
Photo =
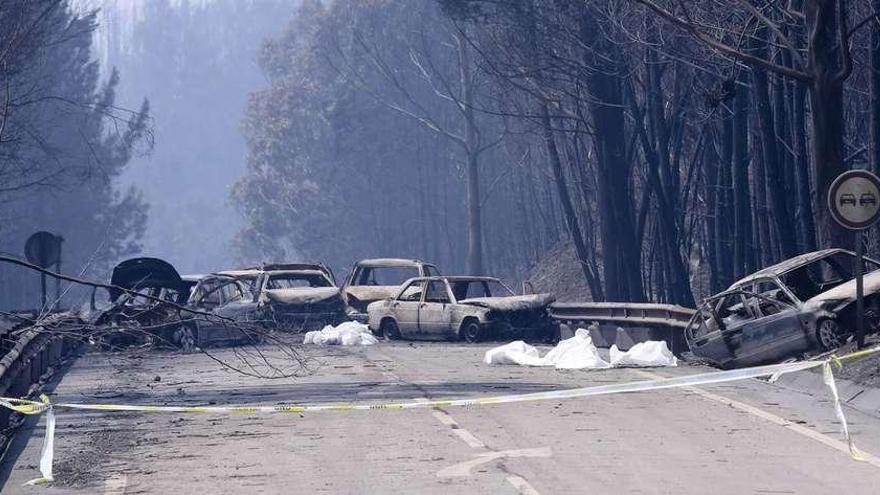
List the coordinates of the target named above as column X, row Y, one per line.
column 31, row 407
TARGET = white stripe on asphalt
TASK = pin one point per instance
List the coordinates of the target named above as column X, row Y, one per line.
column 777, row 420
column 115, row 485
column 521, row 485
column 464, row 468
column 463, row 434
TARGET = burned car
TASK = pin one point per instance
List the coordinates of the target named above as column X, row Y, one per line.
column 465, row 308
column 152, row 302
column 138, row 307
column 803, row 304
column 376, row 279
column 294, row 297
column 235, row 317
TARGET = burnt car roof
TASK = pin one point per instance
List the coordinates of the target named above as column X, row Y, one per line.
column 254, row 272
column 375, row 262
column 458, row 278
column 239, row 273
column 788, row 265
column 272, row 267
column 145, row 272
column 296, row 272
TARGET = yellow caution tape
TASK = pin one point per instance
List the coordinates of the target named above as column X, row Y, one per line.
column 30, row 407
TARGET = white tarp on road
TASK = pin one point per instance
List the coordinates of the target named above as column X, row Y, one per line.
column 579, row 352
column 347, row 333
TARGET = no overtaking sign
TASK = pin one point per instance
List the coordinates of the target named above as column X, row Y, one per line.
column 854, row 199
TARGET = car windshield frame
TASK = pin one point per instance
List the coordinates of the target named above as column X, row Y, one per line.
column 309, row 277
column 801, row 283
column 364, row 272
column 487, row 284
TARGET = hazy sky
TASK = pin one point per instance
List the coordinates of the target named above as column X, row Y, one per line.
column 197, row 75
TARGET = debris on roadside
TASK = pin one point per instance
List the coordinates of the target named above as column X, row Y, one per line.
column 350, row 333
column 579, row 352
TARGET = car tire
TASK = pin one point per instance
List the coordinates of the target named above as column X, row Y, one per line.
column 390, row 330
column 828, row 334
column 471, row 331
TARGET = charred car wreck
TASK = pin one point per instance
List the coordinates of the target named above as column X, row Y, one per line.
column 465, row 308
column 151, row 302
column 803, row 304
column 139, row 308
column 376, row 279
column 293, row 297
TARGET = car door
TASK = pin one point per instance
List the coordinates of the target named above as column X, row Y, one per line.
column 405, row 308
column 776, row 331
column 714, row 333
column 235, row 313
column 435, row 313
column 205, row 298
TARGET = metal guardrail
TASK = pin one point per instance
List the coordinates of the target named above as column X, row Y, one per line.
column 624, row 314
column 26, row 356
column 626, row 323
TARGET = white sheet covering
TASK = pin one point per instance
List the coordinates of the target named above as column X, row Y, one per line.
column 643, row 354
column 579, row 352
column 347, row 333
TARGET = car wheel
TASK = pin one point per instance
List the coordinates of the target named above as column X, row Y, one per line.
column 390, row 330
column 828, row 334
column 471, row 332
column 185, row 338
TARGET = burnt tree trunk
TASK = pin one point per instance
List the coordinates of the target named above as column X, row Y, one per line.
column 474, row 214
column 743, row 260
column 621, row 253
column 875, row 87
column 571, row 220
column 774, row 170
column 829, row 60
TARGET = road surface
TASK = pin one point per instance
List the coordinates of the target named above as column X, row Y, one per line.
column 742, row 438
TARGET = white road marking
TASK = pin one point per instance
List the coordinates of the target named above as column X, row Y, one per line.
column 521, row 485
column 464, row 468
column 115, row 485
column 768, row 416
column 463, row 434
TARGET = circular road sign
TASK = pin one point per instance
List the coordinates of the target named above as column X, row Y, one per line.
column 43, row 249
column 854, row 199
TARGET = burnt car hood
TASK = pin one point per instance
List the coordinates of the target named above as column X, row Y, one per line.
column 302, row 295
column 367, row 293
column 144, row 272
column 511, row 303
column 847, row 290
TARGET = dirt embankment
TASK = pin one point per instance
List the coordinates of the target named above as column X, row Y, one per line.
column 559, row 273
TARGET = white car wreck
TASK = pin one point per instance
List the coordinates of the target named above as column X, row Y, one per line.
column 372, row 280
column 465, row 308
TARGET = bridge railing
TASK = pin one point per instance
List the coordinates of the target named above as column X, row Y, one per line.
column 27, row 354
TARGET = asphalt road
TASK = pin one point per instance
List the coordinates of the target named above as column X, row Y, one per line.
column 747, row 437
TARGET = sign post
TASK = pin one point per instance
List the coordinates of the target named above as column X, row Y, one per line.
column 854, row 201
column 44, row 250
